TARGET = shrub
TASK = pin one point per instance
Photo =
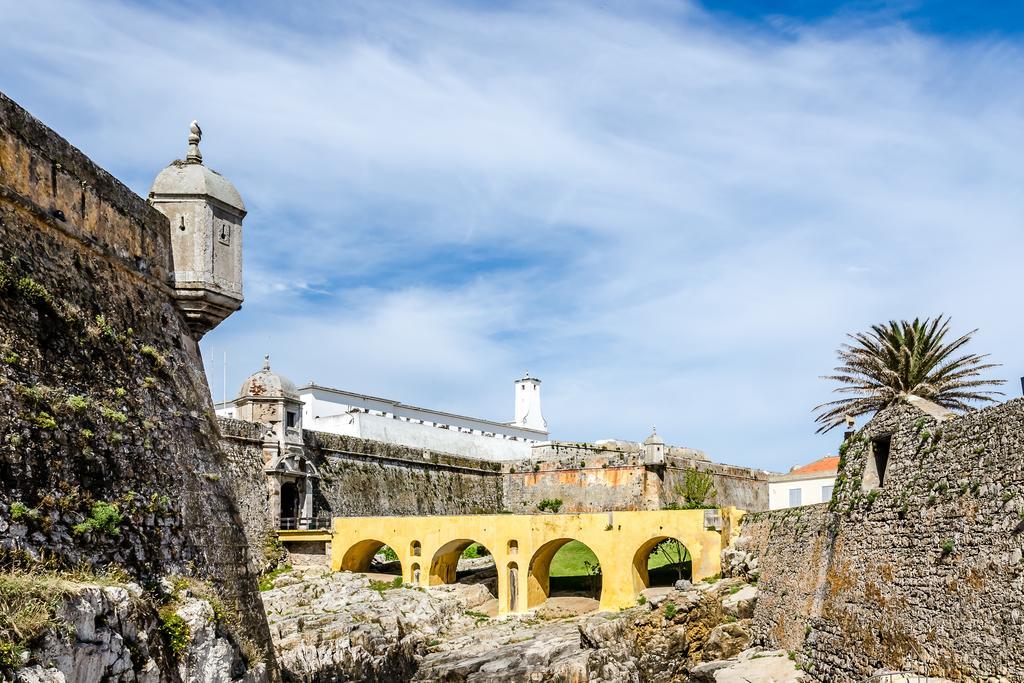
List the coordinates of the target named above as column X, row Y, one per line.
column 476, row 550
column 153, row 355
column 18, row 510
column 641, row 600
column 104, row 518
column 550, row 504
column 267, row 580
column 78, row 403
column 670, row 610
column 948, row 546
column 32, row 290
column 174, row 629
column 113, row 415
column 45, row 421
column 389, row 554
column 697, row 490
column 381, row 586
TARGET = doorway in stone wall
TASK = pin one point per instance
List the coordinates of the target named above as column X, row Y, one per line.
column 289, row 502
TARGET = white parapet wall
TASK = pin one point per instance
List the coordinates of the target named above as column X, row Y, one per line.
column 447, row 439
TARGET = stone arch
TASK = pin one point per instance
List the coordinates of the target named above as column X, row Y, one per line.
column 358, row 557
column 415, row 549
column 445, row 562
column 414, row 570
column 641, row 578
column 539, row 580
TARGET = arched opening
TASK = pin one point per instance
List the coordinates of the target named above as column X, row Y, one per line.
column 565, row 568
column 289, row 504
column 371, row 557
column 463, row 560
column 513, row 547
column 416, row 573
column 661, row 561
column 415, row 549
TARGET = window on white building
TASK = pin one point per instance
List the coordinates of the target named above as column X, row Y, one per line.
column 794, row 498
column 826, row 493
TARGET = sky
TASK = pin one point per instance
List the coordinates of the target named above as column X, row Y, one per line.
column 670, row 212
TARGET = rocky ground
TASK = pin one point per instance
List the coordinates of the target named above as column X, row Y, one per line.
column 351, row 627
column 109, row 632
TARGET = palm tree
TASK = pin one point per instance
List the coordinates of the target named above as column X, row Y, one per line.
column 902, row 359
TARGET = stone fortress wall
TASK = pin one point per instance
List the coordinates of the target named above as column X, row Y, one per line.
column 613, row 475
column 363, row 477
column 105, row 400
column 923, row 572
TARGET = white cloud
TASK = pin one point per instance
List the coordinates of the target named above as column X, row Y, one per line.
column 669, row 218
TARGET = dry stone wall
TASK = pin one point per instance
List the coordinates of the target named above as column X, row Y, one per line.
column 793, row 548
column 109, row 451
column 242, row 443
column 924, row 572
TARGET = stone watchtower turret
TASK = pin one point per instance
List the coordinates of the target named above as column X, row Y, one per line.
column 205, row 213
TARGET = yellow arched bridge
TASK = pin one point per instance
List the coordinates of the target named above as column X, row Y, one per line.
column 523, row 546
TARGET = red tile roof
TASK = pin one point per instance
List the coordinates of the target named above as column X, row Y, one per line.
column 829, row 464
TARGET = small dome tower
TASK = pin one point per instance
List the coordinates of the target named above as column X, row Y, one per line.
column 205, row 212
column 654, row 449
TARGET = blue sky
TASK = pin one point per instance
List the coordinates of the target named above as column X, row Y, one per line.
column 671, row 213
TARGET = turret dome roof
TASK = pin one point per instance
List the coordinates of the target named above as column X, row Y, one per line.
column 190, row 177
column 268, row 384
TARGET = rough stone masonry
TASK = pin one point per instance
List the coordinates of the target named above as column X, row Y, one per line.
column 105, row 407
column 917, row 562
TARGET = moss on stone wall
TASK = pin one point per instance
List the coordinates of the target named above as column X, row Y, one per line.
column 91, row 420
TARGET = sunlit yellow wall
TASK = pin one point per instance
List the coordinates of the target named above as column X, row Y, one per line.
column 619, row 539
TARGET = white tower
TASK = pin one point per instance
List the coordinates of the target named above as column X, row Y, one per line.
column 205, row 212
column 528, row 404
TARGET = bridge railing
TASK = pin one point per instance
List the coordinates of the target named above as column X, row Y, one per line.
column 304, row 523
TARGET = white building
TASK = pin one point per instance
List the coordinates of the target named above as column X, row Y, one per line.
column 804, row 485
column 349, row 413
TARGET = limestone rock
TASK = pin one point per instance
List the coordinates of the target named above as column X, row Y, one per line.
column 727, row 640
column 760, row 667
column 741, row 603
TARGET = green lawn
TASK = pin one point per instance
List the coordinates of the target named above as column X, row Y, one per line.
column 569, row 559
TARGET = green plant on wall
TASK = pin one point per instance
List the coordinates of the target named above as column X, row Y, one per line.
column 550, row 505
column 697, row 490
column 104, row 518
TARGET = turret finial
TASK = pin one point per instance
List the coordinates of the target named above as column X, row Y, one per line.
column 266, row 362
column 194, row 156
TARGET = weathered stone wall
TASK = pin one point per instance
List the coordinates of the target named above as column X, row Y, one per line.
column 363, row 477
column 585, row 477
column 594, row 478
column 104, row 399
column 739, row 487
column 924, row 573
column 242, row 443
column 793, row 547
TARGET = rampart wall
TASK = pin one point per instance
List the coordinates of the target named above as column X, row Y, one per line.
column 923, row 573
column 105, row 404
column 595, row 477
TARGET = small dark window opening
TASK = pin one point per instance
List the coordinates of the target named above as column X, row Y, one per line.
column 880, row 453
column 290, row 418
